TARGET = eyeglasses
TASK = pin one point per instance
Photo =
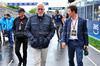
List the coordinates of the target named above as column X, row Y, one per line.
column 40, row 8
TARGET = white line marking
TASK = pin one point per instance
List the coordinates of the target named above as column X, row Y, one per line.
column 91, row 61
column 10, row 62
column 94, row 48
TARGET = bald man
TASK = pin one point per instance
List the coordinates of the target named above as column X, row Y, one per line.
column 40, row 30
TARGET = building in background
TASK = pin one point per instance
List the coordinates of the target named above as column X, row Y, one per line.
column 88, row 9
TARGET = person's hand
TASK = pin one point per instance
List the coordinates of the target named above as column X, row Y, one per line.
column 63, row 45
column 86, row 48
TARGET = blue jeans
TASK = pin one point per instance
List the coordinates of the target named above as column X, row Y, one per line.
column 9, row 35
column 73, row 46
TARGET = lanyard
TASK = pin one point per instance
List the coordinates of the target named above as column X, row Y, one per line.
column 73, row 24
column 20, row 25
column 21, row 22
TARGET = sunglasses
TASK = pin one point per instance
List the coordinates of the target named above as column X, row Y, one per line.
column 40, row 8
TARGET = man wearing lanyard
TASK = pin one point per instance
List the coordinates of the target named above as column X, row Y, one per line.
column 58, row 21
column 20, row 36
column 75, row 35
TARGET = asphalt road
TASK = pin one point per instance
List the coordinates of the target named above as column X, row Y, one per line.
column 56, row 56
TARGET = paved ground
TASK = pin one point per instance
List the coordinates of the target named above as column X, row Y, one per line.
column 56, row 56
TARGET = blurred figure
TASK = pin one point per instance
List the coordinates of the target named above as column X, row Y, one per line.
column 63, row 19
column 4, row 25
column 58, row 23
column 47, row 13
column 9, row 25
column 0, row 30
column 20, row 36
column 52, row 17
column 40, row 30
column 4, row 21
column 75, row 35
column 67, row 16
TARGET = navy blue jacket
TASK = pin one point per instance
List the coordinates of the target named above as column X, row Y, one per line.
column 40, row 30
column 82, row 31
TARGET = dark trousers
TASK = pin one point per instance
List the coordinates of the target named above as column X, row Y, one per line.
column 18, row 42
column 9, row 35
column 73, row 47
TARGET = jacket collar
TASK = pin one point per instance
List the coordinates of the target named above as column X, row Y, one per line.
column 3, row 18
column 41, row 17
column 10, row 18
column 24, row 17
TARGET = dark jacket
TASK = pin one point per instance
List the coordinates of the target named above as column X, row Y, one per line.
column 19, row 33
column 40, row 30
column 82, row 31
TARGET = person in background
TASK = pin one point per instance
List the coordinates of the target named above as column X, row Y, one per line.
column 1, row 26
column 67, row 16
column 20, row 36
column 58, row 23
column 63, row 19
column 4, row 26
column 4, row 21
column 52, row 17
column 47, row 12
column 9, row 24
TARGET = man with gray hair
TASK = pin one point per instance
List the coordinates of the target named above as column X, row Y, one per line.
column 40, row 30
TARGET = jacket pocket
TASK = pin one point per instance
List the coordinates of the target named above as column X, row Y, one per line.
column 34, row 26
column 45, row 43
column 34, row 42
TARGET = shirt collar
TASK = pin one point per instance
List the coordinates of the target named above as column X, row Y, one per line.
column 75, row 18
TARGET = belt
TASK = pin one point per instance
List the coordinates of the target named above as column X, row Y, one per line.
column 73, row 39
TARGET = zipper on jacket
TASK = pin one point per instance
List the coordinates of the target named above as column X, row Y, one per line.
column 40, row 19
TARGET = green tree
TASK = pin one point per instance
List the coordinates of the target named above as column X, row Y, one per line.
column 33, row 10
column 14, row 7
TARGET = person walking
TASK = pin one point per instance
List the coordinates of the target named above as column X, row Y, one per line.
column 20, row 36
column 75, row 35
column 9, row 24
column 57, row 19
column 40, row 30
